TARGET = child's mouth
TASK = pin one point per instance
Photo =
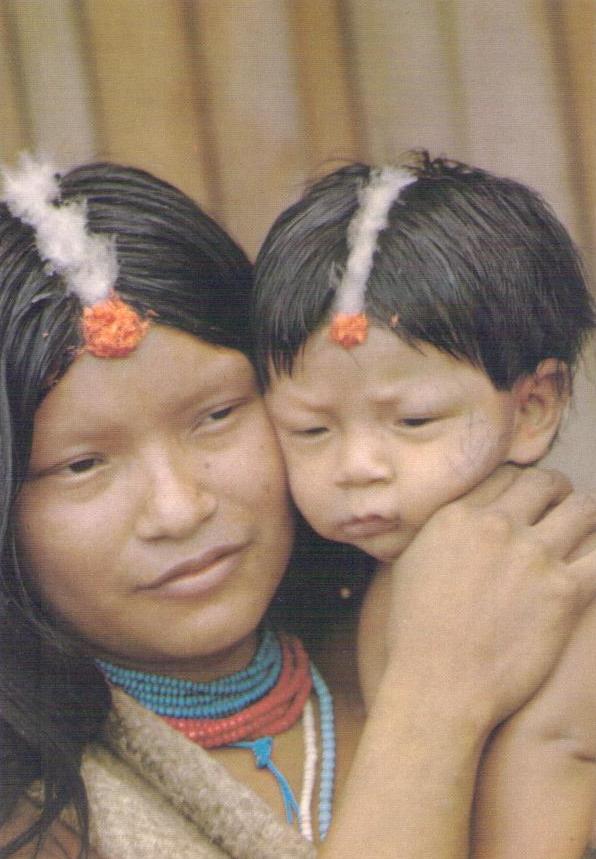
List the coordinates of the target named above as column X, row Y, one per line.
column 367, row 526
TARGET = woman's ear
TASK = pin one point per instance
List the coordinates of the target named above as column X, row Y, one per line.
column 541, row 399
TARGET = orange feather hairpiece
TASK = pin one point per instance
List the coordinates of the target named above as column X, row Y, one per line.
column 86, row 261
column 349, row 323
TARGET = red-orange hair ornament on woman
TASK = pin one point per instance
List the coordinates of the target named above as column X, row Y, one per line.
column 87, row 263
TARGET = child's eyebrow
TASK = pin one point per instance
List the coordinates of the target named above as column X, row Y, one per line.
column 421, row 393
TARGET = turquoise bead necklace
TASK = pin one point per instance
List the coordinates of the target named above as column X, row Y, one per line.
column 223, row 701
column 171, row 696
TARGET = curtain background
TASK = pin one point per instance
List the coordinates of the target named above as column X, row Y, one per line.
column 239, row 102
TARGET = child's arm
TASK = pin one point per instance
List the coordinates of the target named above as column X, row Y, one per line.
column 469, row 645
column 536, row 793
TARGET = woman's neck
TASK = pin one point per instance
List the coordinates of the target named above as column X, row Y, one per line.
column 200, row 669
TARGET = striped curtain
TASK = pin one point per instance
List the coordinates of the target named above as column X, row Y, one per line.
column 239, row 102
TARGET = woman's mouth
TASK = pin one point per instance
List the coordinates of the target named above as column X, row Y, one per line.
column 198, row 575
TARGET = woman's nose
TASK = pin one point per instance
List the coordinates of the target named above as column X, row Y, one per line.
column 174, row 501
column 363, row 459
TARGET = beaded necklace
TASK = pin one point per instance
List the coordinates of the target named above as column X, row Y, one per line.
column 246, row 710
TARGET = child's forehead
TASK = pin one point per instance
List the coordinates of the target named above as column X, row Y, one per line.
column 385, row 367
column 382, row 352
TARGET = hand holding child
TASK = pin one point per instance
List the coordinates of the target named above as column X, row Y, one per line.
column 486, row 596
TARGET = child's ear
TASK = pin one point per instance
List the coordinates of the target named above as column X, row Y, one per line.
column 541, row 399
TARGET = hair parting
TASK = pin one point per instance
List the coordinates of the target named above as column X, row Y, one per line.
column 474, row 264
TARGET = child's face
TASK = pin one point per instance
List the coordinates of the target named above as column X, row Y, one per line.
column 378, row 437
column 155, row 519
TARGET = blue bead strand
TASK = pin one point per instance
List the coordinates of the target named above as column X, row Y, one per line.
column 177, row 698
column 327, row 775
column 174, row 697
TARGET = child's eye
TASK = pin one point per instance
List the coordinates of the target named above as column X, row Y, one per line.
column 414, row 422
column 311, row 432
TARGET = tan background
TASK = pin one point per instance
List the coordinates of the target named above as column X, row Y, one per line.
column 240, row 101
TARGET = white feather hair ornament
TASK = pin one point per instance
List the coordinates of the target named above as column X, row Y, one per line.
column 86, row 262
column 349, row 325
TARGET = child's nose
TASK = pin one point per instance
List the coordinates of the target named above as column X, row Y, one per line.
column 174, row 500
column 364, row 459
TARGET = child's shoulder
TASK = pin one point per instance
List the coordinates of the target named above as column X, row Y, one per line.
column 565, row 707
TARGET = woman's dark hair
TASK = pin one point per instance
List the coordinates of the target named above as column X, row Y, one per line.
column 474, row 264
column 176, row 263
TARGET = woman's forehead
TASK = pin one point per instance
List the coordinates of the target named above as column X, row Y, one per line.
column 170, row 369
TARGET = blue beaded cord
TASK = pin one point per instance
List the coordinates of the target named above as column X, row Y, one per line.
column 177, row 698
column 262, row 749
column 180, row 699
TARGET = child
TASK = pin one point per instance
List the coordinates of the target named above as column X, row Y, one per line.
column 416, row 328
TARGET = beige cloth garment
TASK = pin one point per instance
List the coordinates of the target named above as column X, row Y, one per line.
column 153, row 793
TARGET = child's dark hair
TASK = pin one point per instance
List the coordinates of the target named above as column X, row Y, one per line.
column 474, row 264
column 175, row 263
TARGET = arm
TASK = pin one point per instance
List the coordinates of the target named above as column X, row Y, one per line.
column 466, row 648
column 372, row 625
column 410, row 788
column 537, row 789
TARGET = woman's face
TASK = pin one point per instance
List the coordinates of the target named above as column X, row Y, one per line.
column 155, row 520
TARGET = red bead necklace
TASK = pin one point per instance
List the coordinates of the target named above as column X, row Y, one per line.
column 273, row 714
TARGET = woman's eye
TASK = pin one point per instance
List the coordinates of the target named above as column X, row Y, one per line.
column 210, row 420
column 414, row 422
column 82, row 465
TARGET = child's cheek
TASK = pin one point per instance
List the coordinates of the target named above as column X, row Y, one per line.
column 313, row 500
column 478, row 449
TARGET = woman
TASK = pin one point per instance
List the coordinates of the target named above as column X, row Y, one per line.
column 145, row 531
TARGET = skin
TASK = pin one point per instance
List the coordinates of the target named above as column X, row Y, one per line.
column 171, row 454
column 376, row 439
column 464, row 656
column 157, row 469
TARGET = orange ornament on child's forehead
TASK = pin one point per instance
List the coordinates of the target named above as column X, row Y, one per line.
column 349, row 329
column 112, row 328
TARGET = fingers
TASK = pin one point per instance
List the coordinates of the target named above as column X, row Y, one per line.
column 533, row 493
column 583, row 571
column 491, row 488
column 524, row 495
column 585, row 546
column 565, row 526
